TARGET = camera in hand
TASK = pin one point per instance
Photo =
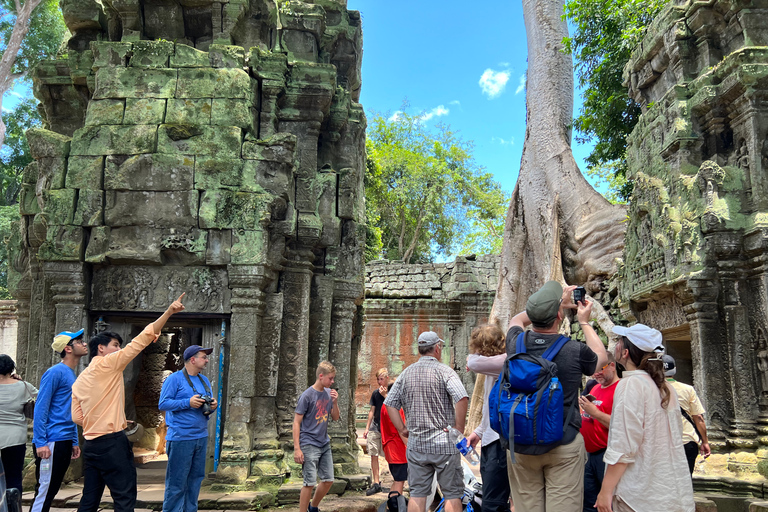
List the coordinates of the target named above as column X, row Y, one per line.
column 207, row 406
column 579, row 294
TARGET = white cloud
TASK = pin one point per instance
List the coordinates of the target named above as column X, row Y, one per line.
column 504, row 142
column 504, row 64
column 493, row 82
column 14, row 93
column 455, row 102
column 520, row 85
column 6, row 109
column 438, row 111
column 394, row 117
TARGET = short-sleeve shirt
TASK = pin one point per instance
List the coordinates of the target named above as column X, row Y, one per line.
column 574, row 360
column 595, row 433
column 316, row 407
column 690, row 403
column 394, row 448
column 377, row 400
column 426, row 391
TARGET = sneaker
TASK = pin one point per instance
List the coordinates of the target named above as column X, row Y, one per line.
column 313, row 509
column 375, row 488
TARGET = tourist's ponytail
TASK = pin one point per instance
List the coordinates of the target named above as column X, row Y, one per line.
column 651, row 363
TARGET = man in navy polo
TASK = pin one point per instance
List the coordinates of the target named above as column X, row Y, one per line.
column 188, row 402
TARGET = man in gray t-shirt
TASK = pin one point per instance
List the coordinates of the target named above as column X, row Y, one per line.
column 311, row 446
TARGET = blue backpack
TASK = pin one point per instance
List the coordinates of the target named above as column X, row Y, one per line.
column 529, row 386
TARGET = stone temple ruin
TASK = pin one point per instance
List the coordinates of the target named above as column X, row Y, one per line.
column 697, row 240
column 214, row 148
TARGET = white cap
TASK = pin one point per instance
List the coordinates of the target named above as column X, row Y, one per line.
column 643, row 337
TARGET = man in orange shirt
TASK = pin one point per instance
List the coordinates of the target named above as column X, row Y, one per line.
column 98, row 405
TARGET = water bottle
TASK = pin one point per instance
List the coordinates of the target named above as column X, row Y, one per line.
column 45, row 464
column 463, row 446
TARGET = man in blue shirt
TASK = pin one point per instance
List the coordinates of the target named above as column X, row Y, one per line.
column 54, row 436
column 187, row 400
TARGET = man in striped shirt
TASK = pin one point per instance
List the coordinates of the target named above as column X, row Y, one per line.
column 433, row 397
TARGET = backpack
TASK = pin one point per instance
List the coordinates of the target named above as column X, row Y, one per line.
column 396, row 502
column 526, row 403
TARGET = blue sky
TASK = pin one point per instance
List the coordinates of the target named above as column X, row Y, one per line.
column 434, row 54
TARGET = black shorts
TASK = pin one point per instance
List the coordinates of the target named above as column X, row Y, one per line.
column 399, row 472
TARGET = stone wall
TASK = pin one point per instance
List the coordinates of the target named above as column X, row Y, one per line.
column 215, row 148
column 696, row 263
column 402, row 300
column 8, row 326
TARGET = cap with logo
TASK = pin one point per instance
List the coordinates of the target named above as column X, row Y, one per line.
column 643, row 337
column 62, row 339
column 670, row 369
column 428, row 338
column 194, row 349
column 542, row 306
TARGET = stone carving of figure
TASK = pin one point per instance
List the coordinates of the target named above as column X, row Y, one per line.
column 742, row 156
column 762, row 361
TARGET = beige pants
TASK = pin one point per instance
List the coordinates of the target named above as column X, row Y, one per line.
column 619, row 505
column 552, row 482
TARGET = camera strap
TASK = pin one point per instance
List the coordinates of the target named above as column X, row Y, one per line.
column 205, row 386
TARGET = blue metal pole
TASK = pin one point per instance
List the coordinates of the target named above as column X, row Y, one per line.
column 220, row 384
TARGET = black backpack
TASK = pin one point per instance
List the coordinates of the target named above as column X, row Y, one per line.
column 396, row 502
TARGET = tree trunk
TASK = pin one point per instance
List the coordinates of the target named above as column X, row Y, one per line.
column 558, row 227
column 20, row 29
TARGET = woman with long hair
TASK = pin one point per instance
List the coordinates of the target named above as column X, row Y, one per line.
column 647, row 469
column 487, row 353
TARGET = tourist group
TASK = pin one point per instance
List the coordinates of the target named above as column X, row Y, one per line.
column 627, row 441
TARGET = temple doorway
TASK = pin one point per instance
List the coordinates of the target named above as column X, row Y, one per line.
column 677, row 341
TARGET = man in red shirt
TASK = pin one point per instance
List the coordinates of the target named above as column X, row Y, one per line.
column 394, row 448
column 596, row 408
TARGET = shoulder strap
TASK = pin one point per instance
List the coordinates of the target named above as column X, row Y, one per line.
column 553, row 349
column 520, row 344
column 695, row 427
column 205, row 386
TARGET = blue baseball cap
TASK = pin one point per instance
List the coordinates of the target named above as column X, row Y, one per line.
column 62, row 339
column 194, row 349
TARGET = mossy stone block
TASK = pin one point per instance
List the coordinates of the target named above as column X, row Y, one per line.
column 135, row 83
column 249, row 247
column 110, row 54
column 28, row 204
column 151, row 209
column 159, row 172
column 85, row 172
column 229, row 112
column 188, row 57
column 189, row 111
column 115, row 140
column 144, row 111
column 90, row 208
column 214, row 83
column 30, row 173
column 278, row 148
column 151, row 54
column 276, row 178
column 98, row 245
column 199, row 140
column 226, row 56
column 107, row 111
column 52, row 170
column 59, row 205
column 62, row 243
column 221, row 209
column 44, row 143
column 213, row 173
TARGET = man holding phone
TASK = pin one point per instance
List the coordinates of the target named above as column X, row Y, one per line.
column 596, row 409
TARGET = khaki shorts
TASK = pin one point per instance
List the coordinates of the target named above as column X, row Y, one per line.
column 374, row 443
column 422, row 468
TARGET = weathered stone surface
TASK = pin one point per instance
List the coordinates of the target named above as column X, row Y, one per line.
column 189, row 111
column 85, row 172
column 105, row 112
column 115, row 140
column 248, row 247
column 110, row 53
column 223, row 56
column 199, row 140
column 229, row 112
column 144, row 111
column 213, row 83
column 28, row 204
column 45, row 143
column 59, row 205
column 90, row 208
column 229, row 209
column 63, row 243
column 153, row 209
column 188, row 57
column 122, row 82
column 157, row 171
column 151, row 54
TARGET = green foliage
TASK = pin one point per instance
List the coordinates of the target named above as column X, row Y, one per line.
column 606, row 32
column 45, row 35
column 425, row 195
column 605, row 174
column 8, row 215
column 486, row 231
column 14, row 156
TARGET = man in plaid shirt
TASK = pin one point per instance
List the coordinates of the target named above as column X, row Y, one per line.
column 433, row 397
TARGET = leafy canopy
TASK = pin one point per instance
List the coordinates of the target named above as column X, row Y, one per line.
column 606, row 32
column 14, row 155
column 425, row 194
column 45, row 35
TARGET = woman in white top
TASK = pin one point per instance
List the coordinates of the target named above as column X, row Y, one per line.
column 14, row 393
column 487, row 347
column 647, row 469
